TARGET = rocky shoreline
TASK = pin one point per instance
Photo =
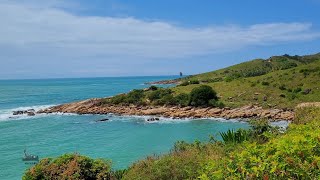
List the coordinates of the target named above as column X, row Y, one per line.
column 94, row 106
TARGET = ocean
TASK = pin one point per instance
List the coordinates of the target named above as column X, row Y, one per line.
column 122, row 139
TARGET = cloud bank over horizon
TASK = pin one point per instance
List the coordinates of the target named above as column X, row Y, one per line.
column 32, row 31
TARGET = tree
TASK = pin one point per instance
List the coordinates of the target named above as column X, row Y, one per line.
column 200, row 96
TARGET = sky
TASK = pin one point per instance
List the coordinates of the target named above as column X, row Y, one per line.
column 105, row 38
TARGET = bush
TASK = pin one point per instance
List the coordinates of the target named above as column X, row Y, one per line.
column 185, row 161
column 235, row 137
column 216, row 103
column 118, row 99
column 292, row 96
column 182, row 99
column 305, row 115
column 229, row 78
column 282, row 87
column 194, row 82
column 154, row 95
column 294, row 155
column 70, row 166
column 153, row 88
column 166, row 100
column 158, row 94
column 200, row 96
column 135, row 96
column 297, row 90
column 185, row 83
column 264, row 83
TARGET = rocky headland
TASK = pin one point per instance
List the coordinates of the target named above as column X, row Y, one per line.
column 95, row 106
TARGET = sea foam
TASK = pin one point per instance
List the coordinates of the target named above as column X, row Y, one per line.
column 7, row 114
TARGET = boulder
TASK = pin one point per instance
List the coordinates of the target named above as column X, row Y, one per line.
column 102, row 120
column 15, row 113
column 31, row 113
column 153, row 119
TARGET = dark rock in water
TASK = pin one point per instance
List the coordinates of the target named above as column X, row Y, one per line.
column 31, row 113
column 153, row 119
column 15, row 113
column 102, row 120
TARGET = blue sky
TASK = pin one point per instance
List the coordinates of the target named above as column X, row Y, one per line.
column 97, row 38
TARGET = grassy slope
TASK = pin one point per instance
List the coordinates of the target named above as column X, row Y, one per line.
column 241, row 90
column 250, row 67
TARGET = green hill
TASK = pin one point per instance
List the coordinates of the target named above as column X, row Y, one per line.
column 277, row 82
column 280, row 81
column 254, row 68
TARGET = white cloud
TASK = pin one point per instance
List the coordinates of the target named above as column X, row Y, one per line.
column 29, row 29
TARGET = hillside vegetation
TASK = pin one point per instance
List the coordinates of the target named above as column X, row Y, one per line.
column 280, row 81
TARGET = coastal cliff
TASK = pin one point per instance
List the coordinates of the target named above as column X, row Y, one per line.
column 95, row 106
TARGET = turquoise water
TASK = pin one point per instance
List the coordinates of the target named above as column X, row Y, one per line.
column 123, row 139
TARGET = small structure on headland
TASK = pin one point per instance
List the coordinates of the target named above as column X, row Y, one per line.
column 181, row 74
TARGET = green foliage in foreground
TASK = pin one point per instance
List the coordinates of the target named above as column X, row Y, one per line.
column 234, row 137
column 294, row 154
column 73, row 167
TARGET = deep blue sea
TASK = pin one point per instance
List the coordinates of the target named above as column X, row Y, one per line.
column 123, row 139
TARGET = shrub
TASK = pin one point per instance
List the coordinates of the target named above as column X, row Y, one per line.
column 185, row 83
column 135, row 96
column 118, row 99
column 158, row 94
column 185, row 161
column 282, row 95
column 154, row 95
column 118, row 174
column 216, row 103
column 228, row 78
column 234, row 137
column 264, row 83
column 70, row 166
column 183, row 99
column 153, row 88
column 294, row 155
column 166, row 100
column 292, row 96
column 282, row 87
column 297, row 90
column 200, row 96
column 305, row 115
column 194, row 82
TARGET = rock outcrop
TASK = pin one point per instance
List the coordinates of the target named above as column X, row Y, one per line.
column 94, row 106
column 29, row 112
